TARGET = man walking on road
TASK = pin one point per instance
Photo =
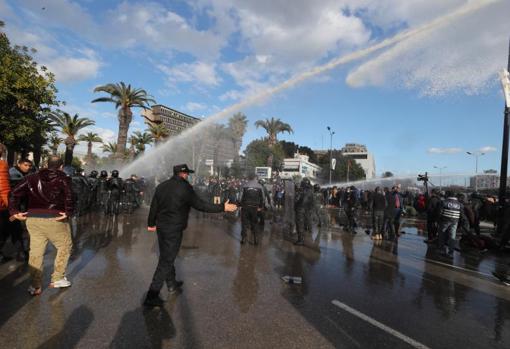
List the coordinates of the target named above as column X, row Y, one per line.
column 168, row 216
column 49, row 203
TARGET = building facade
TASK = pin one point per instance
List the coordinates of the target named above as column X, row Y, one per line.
column 210, row 151
column 360, row 154
column 299, row 165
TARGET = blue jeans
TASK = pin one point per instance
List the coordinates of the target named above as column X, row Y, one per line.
column 447, row 233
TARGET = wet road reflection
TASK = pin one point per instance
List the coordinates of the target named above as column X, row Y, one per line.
column 234, row 295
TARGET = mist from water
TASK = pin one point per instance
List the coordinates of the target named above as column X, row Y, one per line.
column 177, row 149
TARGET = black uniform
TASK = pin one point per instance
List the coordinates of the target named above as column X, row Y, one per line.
column 115, row 185
column 102, row 191
column 130, row 194
column 169, row 213
column 93, row 181
column 351, row 208
column 80, row 189
column 433, row 214
column 304, row 208
column 252, row 202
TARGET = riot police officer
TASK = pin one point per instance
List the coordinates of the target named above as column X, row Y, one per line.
column 252, row 202
column 450, row 214
column 80, row 188
column 102, row 191
column 115, row 186
column 351, row 209
column 304, row 208
column 130, row 194
column 319, row 212
column 93, row 181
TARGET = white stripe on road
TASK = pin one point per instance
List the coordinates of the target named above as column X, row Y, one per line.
column 379, row 325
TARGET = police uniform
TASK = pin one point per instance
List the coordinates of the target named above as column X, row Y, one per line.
column 252, row 201
column 304, row 208
column 450, row 213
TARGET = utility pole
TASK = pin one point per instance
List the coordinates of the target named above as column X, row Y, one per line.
column 331, row 133
column 505, row 81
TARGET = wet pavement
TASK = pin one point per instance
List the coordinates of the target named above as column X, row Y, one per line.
column 355, row 293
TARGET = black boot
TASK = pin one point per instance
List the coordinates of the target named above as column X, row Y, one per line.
column 153, row 300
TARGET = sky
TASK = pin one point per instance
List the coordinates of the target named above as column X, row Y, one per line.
column 418, row 103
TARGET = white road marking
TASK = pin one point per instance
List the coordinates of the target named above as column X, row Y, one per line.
column 379, row 325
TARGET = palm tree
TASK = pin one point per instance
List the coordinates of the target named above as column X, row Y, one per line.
column 158, row 132
column 90, row 137
column 142, row 139
column 237, row 125
column 54, row 141
column 110, row 147
column 69, row 126
column 124, row 97
column 273, row 127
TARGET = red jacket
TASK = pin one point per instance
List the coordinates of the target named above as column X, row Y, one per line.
column 5, row 188
column 48, row 193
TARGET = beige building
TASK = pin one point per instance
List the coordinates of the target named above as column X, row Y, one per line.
column 360, row 154
column 216, row 152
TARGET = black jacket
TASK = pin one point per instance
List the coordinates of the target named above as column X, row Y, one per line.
column 172, row 202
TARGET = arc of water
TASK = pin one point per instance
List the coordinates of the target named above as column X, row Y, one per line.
column 464, row 10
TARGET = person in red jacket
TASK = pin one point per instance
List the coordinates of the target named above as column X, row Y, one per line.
column 4, row 202
column 49, row 196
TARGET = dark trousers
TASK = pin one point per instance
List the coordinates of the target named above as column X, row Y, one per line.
column 15, row 230
column 378, row 222
column 432, row 227
column 249, row 218
column 169, row 244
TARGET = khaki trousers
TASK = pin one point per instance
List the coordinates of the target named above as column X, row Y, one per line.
column 42, row 230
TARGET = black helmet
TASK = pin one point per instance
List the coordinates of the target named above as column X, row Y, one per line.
column 115, row 173
column 93, row 174
column 305, row 183
column 104, row 174
column 316, row 187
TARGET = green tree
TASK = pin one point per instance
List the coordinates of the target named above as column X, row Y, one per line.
column 124, row 97
column 237, row 127
column 54, row 141
column 142, row 139
column 158, row 132
column 344, row 168
column 27, row 91
column 387, row 174
column 90, row 137
column 258, row 152
column 69, row 126
column 273, row 127
column 110, row 147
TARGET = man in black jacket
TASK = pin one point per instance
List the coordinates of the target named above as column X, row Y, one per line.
column 168, row 216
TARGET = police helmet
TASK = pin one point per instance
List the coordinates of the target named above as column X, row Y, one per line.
column 104, row 174
column 305, row 183
column 316, row 187
column 115, row 173
column 93, row 173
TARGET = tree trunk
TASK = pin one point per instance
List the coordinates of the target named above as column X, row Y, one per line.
column 125, row 116
column 89, row 151
column 37, row 155
column 11, row 155
column 68, row 157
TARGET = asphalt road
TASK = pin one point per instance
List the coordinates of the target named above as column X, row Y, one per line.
column 355, row 294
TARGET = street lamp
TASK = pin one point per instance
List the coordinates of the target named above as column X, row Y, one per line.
column 476, row 154
column 331, row 133
column 440, row 176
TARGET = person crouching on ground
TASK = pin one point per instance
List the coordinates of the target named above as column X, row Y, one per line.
column 49, row 203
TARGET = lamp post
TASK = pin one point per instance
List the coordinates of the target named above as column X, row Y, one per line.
column 331, row 133
column 440, row 176
column 505, row 83
column 476, row 154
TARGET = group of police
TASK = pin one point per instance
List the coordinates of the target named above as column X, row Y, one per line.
column 110, row 195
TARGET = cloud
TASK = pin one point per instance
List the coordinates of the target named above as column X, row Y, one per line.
column 200, row 72
column 487, row 149
column 69, row 69
column 193, row 107
column 464, row 54
column 444, row 150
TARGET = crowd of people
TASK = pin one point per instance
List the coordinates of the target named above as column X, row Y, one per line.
column 30, row 199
